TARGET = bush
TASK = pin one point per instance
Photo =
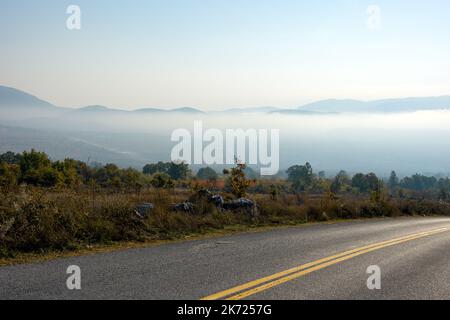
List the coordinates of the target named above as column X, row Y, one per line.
column 207, row 174
column 162, row 181
column 9, row 175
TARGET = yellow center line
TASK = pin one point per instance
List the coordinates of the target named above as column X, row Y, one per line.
column 265, row 283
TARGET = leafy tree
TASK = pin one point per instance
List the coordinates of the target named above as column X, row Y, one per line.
column 301, row 177
column 238, row 181
column 365, row 182
column 359, row 182
column 393, row 181
column 177, row 171
column 37, row 169
column 341, row 182
column 34, row 160
column 115, row 182
column 373, row 183
column 49, row 177
column 108, row 176
column 207, row 174
column 131, row 179
column 419, row 182
column 68, row 169
column 10, row 158
column 153, row 168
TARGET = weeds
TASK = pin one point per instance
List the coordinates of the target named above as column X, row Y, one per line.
column 34, row 220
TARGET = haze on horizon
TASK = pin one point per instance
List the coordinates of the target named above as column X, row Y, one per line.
column 224, row 54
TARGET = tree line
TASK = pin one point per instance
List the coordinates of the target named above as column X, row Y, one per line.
column 303, row 179
column 37, row 169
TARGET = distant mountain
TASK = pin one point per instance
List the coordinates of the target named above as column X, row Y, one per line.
column 301, row 112
column 16, row 104
column 10, row 97
column 98, row 110
column 252, row 110
column 411, row 104
column 150, row 110
column 187, row 110
column 384, row 106
column 334, row 105
column 177, row 110
column 95, row 109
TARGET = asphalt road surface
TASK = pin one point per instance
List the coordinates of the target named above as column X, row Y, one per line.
column 324, row 261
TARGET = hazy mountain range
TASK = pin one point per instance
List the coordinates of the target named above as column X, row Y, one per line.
column 331, row 134
column 14, row 101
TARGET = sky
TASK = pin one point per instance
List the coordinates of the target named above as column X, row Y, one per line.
column 215, row 54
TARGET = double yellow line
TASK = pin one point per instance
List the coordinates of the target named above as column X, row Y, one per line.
column 250, row 288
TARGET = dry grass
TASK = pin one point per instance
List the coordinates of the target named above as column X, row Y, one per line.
column 37, row 221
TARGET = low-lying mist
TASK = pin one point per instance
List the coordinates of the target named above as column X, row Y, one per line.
column 416, row 142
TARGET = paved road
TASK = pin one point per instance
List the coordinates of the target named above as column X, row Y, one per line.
column 330, row 262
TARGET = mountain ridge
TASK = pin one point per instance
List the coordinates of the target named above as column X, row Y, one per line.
column 16, row 99
column 13, row 97
column 383, row 105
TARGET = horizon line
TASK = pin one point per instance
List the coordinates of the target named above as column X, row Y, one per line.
column 223, row 109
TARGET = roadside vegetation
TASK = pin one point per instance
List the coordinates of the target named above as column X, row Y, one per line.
column 48, row 206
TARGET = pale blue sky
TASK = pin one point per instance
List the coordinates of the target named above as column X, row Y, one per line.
column 214, row 54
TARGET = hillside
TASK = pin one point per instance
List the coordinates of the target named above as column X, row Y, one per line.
column 383, row 106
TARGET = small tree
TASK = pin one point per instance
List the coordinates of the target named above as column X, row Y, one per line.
column 340, row 182
column 131, row 179
column 9, row 174
column 10, row 157
column 373, row 183
column 377, row 195
column 177, row 171
column 359, row 182
column 393, row 180
column 301, row 177
column 162, row 181
column 239, row 182
column 207, row 174
column 50, row 177
column 34, row 160
column 153, row 168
